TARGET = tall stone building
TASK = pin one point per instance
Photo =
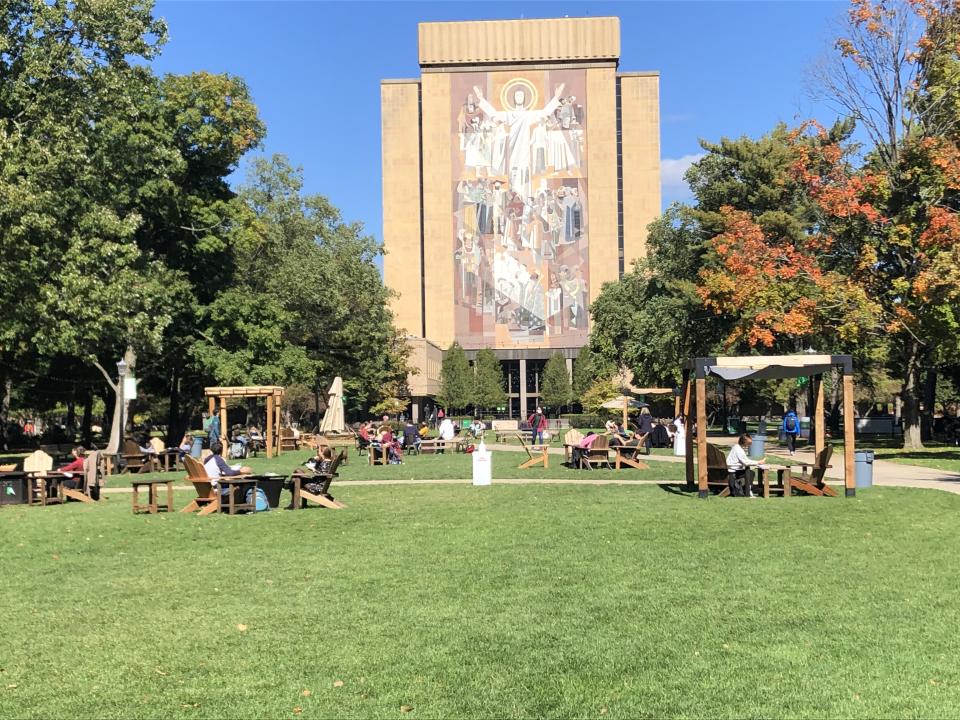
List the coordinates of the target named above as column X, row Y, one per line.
column 520, row 172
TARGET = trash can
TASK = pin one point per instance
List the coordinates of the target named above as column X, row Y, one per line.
column 863, row 468
column 197, row 447
column 271, row 488
column 758, row 447
column 805, row 428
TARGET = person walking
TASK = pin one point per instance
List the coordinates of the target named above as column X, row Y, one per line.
column 538, row 424
column 791, row 430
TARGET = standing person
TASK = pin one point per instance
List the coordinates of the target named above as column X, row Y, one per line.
column 538, row 423
column 645, row 428
column 791, row 429
column 739, row 472
column 447, row 431
column 440, row 417
column 680, row 436
column 213, row 428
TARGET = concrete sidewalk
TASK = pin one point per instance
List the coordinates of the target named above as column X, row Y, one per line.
column 885, row 473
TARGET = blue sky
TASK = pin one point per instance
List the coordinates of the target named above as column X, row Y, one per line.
column 726, row 69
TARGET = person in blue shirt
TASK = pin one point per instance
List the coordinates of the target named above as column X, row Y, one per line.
column 791, row 430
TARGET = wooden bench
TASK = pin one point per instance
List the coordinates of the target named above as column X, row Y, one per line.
column 503, row 429
column 433, row 446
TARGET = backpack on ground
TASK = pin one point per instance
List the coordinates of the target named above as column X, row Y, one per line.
column 261, row 504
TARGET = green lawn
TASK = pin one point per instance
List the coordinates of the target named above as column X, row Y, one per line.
column 506, row 601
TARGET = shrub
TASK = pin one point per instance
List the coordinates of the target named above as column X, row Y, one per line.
column 583, row 420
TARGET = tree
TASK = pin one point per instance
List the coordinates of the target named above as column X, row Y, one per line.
column 555, row 387
column 895, row 219
column 488, row 390
column 456, row 379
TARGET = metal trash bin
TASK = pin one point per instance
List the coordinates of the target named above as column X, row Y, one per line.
column 196, row 448
column 758, row 446
column 863, row 468
column 272, row 488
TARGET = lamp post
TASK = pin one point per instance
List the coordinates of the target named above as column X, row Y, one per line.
column 121, row 391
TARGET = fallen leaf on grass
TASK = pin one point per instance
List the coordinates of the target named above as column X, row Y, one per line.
column 338, row 683
column 297, row 710
column 406, row 708
column 603, row 711
column 269, row 582
column 306, row 693
column 158, row 671
column 11, row 686
column 55, row 556
column 241, row 627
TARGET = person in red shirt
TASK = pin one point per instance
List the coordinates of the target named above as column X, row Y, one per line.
column 75, row 466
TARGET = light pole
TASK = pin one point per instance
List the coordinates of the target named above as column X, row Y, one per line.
column 121, row 391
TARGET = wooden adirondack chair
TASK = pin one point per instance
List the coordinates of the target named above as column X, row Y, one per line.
column 813, row 482
column 323, row 498
column 89, row 479
column 39, row 463
column 136, row 460
column 536, row 454
column 596, row 454
column 288, row 441
column 207, row 500
column 717, row 472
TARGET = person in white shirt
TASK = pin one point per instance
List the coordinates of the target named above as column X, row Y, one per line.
column 447, row 430
column 739, row 473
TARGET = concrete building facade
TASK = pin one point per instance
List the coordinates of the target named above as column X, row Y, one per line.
column 520, row 172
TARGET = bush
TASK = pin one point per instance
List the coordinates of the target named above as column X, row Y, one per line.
column 583, row 420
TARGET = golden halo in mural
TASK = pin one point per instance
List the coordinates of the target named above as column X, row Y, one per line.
column 530, row 94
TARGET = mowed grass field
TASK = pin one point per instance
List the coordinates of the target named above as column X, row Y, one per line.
column 505, row 601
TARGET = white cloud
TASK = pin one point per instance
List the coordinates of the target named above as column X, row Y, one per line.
column 672, row 170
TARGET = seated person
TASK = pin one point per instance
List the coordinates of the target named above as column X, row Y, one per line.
column 186, row 445
column 424, row 430
column 363, row 434
column 145, row 447
column 739, row 468
column 254, row 433
column 477, row 428
column 410, row 437
column 394, row 450
column 217, row 467
column 585, row 444
column 74, row 466
column 610, row 427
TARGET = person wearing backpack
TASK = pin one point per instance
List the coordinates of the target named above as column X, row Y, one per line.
column 791, row 430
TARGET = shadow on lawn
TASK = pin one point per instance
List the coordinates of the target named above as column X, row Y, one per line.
column 678, row 488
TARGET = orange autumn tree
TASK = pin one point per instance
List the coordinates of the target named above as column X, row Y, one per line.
column 894, row 220
column 777, row 290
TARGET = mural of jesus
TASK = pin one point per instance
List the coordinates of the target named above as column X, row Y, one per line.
column 520, row 122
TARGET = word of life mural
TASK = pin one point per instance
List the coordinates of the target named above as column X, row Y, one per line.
column 520, row 209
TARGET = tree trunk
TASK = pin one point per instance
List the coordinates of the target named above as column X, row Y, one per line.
column 912, row 439
column 5, row 412
column 119, row 406
column 929, row 401
column 174, row 431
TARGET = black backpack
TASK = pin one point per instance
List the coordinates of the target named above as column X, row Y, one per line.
column 791, row 423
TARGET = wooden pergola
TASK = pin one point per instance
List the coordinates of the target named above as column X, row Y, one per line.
column 694, row 389
column 274, row 396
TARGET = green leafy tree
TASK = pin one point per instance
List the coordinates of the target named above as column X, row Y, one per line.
column 456, row 379
column 488, row 390
column 556, row 390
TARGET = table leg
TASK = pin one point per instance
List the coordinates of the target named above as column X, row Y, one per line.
column 170, row 496
column 296, row 492
column 154, row 509
column 766, row 484
column 787, row 488
column 135, row 498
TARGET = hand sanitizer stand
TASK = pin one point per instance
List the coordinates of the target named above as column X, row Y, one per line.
column 482, row 470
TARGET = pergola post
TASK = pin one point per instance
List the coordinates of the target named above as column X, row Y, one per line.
column 701, row 396
column 848, row 440
column 819, row 429
column 223, row 418
column 211, row 405
column 688, row 427
column 276, row 421
column 270, row 426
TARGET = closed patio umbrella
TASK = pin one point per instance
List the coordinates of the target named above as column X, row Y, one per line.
column 333, row 417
